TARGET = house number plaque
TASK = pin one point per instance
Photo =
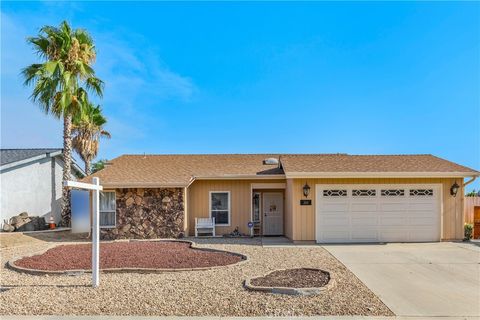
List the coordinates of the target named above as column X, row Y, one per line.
column 305, row 202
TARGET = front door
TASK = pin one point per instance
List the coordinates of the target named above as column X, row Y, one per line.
column 272, row 213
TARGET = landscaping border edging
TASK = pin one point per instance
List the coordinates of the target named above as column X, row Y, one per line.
column 288, row 290
column 11, row 263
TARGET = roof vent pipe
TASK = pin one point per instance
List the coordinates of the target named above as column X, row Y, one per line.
column 270, row 161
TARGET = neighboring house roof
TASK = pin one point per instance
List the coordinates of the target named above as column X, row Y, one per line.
column 180, row 170
column 13, row 157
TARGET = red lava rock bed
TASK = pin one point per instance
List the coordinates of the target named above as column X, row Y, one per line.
column 142, row 254
column 294, row 278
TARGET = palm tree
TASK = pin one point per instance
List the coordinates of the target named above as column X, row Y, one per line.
column 60, row 83
column 88, row 128
column 99, row 165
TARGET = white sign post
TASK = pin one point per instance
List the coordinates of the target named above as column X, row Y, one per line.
column 95, row 188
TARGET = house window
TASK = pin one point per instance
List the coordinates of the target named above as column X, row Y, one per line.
column 393, row 193
column 364, row 192
column 256, row 207
column 220, row 207
column 334, row 193
column 107, row 209
column 421, row 192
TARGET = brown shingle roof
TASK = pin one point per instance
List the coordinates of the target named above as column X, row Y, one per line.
column 178, row 170
column 369, row 163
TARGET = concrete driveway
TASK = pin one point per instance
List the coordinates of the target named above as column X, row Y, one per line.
column 421, row 279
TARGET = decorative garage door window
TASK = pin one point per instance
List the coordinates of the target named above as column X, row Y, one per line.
column 393, row 192
column 220, row 207
column 107, row 209
column 334, row 193
column 421, row 192
column 364, row 192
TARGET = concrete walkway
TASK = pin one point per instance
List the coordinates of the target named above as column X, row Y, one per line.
column 420, row 280
column 224, row 318
column 276, row 242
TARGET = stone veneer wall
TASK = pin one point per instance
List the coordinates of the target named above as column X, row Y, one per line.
column 147, row 214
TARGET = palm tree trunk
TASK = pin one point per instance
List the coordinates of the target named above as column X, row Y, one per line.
column 88, row 170
column 67, row 159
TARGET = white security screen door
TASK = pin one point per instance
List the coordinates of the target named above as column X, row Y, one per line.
column 272, row 213
column 377, row 213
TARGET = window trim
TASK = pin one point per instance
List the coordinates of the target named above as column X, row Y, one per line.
column 114, row 211
column 229, row 208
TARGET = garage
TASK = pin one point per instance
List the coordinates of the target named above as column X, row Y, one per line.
column 377, row 213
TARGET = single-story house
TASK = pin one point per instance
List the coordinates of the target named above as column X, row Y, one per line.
column 305, row 197
column 31, row 181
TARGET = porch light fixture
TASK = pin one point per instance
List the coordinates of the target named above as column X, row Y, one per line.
column 454, row 189
column 306, row 190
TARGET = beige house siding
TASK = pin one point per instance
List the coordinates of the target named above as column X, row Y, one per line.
column 198, row 194
column 288, row 226
column 303, row 217
column 299, row 221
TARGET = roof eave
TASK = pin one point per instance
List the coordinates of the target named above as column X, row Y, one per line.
column 242, row 177
column 78, row 169
column 29, row 160
column 119, row 185
column 303, row 175
column 122, row 185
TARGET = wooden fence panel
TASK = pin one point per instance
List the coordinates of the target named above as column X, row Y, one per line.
column 468, row 207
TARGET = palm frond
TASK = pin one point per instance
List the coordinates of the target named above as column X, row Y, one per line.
column 95, row 85
column 32, row 73
column 105, row 134
column 65, row 27
column 83, row 37
column 40, row 45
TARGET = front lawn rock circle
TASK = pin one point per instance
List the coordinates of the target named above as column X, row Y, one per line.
column 301, row 281
column 145, row 256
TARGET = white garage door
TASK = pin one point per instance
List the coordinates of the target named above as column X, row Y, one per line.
column 377, row 213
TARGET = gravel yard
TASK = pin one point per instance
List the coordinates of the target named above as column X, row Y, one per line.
column 216, row 292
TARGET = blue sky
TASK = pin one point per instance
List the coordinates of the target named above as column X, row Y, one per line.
column 360, row 78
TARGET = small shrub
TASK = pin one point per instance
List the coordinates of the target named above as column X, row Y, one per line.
column 468, row 231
